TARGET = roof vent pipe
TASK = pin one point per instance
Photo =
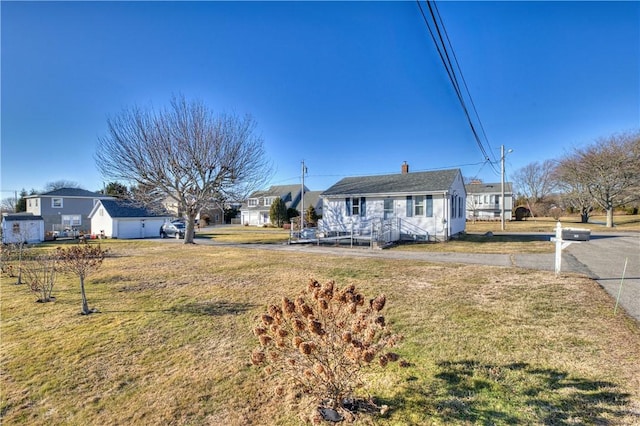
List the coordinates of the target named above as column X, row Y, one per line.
column 405, row 168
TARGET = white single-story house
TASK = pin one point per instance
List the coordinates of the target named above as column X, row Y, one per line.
column 121, row 219
column 405, row 206
column 22, row 227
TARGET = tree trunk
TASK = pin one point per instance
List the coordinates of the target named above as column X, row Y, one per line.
column 189, row 231
column 610, row 217
column 584, row 216
column 85, row 304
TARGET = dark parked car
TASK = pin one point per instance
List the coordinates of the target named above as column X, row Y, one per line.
column 173, row 230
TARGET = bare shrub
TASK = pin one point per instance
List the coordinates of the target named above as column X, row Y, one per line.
column 40, row 276
column 555, row 212
column 319, row 342
column 8, row 256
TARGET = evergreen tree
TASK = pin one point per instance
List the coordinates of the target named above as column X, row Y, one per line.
column 278, row 212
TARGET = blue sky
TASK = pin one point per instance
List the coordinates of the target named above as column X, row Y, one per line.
column 351, row 88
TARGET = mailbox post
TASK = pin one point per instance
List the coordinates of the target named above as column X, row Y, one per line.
column 564, row 238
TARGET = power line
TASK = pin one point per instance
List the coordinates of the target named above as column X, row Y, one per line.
column 445, row 57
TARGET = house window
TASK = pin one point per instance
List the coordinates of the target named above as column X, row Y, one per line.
column 101, row 212
column 355, row 206
column 71, row 220
column 29, row 203
column 268, row 201
column 16, row 227
column 429, row 206
column 460, row 209
column 252, row 202
column 56, row 203
column 409, row 206
column 418, row 207
column 388, row 208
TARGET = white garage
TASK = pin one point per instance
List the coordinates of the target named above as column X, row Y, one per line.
column 119, row 219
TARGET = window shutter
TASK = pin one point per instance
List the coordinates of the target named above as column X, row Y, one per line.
column 348, row 206
column 409, row 206
column 363, row 207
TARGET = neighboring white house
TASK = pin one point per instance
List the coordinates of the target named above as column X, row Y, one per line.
column 22, row 227
column 417, row 206
column 484, row 201
column 255, row 211
column 119, row 219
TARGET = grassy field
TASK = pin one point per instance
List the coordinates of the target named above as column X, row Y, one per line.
column 548, row 224
column 172, row 340
column 532, row 236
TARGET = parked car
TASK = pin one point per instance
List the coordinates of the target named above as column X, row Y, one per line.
column 174, row 229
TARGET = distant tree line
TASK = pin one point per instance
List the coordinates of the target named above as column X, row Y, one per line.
column 604, row 175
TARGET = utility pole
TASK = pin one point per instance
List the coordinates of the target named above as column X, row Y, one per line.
column 502, row 155
column 502, row 187
column 304, row 171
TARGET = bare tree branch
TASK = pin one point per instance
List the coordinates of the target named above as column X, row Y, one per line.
column 185, row 153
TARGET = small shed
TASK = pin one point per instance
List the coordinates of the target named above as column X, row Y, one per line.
column 125, row 220
column 22, row 227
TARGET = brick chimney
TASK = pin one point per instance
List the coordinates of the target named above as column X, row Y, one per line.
column 405, row 168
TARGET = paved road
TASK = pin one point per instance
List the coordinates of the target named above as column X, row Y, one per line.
column 614, row 261
column 602, row 258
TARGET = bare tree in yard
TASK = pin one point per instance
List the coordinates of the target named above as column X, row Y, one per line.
column 185, row 153
column 608, row 170
column 40, row 276
column 574, row 191
column 535, row 181
column 81, row 260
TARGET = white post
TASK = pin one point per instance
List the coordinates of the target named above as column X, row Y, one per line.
column 558, row 241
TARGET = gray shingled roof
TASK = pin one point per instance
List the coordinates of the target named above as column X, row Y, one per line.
column 487, row 188
column 68, row 192
column 285, row 192
column 13, row 217
column 432, row 181
column 119, row 209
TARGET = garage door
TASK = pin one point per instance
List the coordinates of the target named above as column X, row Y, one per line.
column 129, row 229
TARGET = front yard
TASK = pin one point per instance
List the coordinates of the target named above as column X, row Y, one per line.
column 172, row 342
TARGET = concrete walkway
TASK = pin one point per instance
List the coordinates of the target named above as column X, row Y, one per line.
column 602, row 258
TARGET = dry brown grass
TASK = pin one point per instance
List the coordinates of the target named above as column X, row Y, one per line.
column 172, row 341
column 547, row 224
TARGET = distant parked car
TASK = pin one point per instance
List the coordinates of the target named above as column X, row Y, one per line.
column 174, row 229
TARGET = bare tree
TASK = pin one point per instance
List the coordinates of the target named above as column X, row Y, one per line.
column 81, row 260
column 535, row 181
column 185, row 153
column 52, row 186
column 574, row 191
column 8, row 205
column 607, row 170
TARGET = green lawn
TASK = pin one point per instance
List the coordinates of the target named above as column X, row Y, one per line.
column 172, row 340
